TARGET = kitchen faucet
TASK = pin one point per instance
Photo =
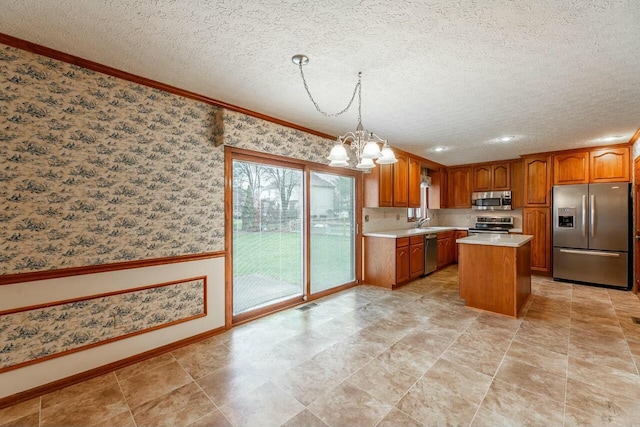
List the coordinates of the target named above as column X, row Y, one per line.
column 422, row 221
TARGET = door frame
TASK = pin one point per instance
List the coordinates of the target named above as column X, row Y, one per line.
column 234, row 153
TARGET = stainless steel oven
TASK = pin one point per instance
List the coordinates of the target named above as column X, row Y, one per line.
column 491, row 200
column 491, row 224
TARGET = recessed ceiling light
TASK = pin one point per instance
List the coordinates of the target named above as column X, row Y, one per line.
column 506, row 138
column 438, row 149
column 611, row 138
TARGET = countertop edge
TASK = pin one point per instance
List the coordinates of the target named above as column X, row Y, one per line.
column 509, row 240
column 408, row 232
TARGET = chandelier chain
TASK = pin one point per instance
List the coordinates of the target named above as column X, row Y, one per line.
column 357, row 88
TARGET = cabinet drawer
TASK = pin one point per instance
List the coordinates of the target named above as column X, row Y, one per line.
column 445, row 235
column 403, row 241
column 416, row 240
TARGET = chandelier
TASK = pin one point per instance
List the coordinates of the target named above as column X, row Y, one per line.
column 363, row 143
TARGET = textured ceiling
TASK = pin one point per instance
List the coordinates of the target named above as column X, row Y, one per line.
column 460, row 74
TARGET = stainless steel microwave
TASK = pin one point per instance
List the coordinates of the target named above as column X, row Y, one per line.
column 491, row 201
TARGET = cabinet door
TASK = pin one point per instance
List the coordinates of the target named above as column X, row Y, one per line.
column 537, row 222
column 459, row 234
column 609, row 165
column 571, row 168
column 414, row 183
column 501, row 176
column 401, row 181
column 402, row 265
column 482, row 178
column 385, row 185
column 517, row 184
column 416, row 260
column 442, row 252
column 537, row 181
column 459, row 187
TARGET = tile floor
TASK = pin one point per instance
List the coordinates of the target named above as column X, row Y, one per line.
column 370, row 357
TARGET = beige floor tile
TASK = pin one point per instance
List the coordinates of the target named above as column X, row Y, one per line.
column 230, row 382
column 425, row 341
column 605, row 377
column 32, row 420
column 436, row 406
column 576, row 418
column 409, row 359
column 481, row 354
column 212, row 419
column 617, row 358
column 79, row 389
column 487, row 418
column 309, row 344
column 20, row 410
column 602, row 404
column 145, row 365
column 86, row 409
column 523, row 406
column 179, row 407
column 462, row 380
column 265, row 406
column 369, row 342
column 538, row 356
column 305, row 419
column 148, row 385
column 341, row 359
column 349, row 406
column 532, row 378
column 124, row 419
column 397, row 418
column 202, row 359
column 307, row 381
column 383, row 381
column 550, row 336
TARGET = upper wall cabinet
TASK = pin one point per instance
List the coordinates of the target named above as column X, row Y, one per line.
column 571, row 168
column 537, row 181
column 396, row 185
column 517, row 184
column 492, row 177
column 609, row 165
column 600, row 165
column 437, row 191
column 459, row 187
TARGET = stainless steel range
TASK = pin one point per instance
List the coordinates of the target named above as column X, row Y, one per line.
column 492, row 224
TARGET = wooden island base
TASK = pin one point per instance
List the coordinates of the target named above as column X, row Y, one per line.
column 495, row 278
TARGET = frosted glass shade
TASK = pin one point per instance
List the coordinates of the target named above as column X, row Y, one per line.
column 339, row 163
column 371, row 150
column 338, row 153
column 387, row 156
column 365, row 164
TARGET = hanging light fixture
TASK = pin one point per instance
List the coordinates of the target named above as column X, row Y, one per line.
column 363, row 143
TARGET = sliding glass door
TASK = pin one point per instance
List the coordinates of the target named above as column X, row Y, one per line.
column 268, row 241
column 332, row 224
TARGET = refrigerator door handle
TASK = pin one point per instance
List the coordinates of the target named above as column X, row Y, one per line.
column 584, row 215
column 594, row 253
column 592, row 214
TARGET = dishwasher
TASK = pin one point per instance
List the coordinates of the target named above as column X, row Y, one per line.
column 430, row 253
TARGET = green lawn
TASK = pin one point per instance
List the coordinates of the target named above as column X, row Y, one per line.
column 279, row 255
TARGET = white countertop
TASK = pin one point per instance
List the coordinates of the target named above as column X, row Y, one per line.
column 512, row 240
column 408, row 232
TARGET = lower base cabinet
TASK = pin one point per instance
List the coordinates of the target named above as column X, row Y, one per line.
column 537, row 222
column 445, row 244
column 458, row 234
column 392, row 262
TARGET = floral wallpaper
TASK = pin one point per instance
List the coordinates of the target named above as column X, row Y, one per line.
column 43, row 332
column 96, row 170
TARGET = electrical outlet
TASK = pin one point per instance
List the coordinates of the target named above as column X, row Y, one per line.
column 397, row 217
column 366, row 218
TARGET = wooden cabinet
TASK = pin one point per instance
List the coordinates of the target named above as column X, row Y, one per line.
column 378, row 187
column 459, row 187
column 414, row 182
column 599, row 165
column 396, row 185
column 537, row 181
column 609, row 165
column 390, row 262
column 537, row 222
column 517, row 184
column 492, row 177
column 458, row 234
column 403, row 273
column 437, row 191
column 401, row 181
column 416, row 256
column 445, row 245
column 571, row 168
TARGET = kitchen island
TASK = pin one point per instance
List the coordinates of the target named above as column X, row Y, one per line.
column 494, row 272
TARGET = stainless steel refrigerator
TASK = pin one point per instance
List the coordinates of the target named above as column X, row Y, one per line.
column 591, row 239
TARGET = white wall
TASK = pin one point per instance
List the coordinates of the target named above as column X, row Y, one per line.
column 43, row 291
